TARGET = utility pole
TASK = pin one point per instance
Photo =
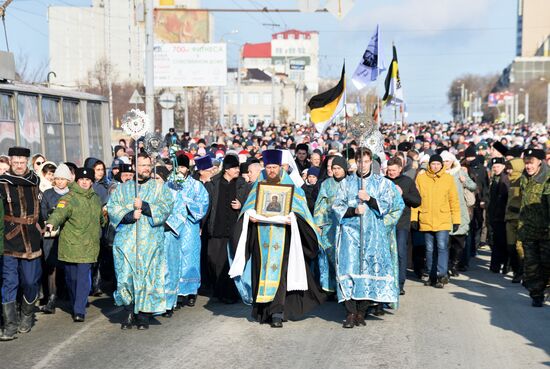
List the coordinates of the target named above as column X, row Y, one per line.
column 273, row 96
column 109, row 60
column 221, row 89
column 149, row 64
column 239, row 87
column 186, row 108
column 3, row 7
column 221, row 93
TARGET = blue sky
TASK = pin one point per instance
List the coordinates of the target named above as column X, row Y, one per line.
column 436, row 40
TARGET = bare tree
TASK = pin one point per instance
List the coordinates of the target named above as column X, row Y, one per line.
column 482, row 85
column 283, row 115
column 101, row 75
column 25, row 72
column 537, row 90
column 203, row 113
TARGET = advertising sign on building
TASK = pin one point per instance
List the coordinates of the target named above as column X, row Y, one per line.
column 190, row 65
column 176, row 26
column 498, row 98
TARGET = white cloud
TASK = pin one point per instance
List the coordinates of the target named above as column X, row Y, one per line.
column 434, row 16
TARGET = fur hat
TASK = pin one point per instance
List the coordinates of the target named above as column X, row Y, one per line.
column 183, row 161
column 498, row 146
column 19, row 151
column 230, row 161
column 84, row 173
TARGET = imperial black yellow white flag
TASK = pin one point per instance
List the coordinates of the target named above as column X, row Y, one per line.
column 327, row 105
column 394, row 90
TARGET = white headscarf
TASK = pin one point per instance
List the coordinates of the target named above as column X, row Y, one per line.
column 294, row 172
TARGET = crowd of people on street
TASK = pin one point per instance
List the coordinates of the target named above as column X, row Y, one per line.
column 279, row 217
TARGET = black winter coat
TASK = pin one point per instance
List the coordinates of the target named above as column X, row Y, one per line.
column 411, row 197
column 496, row 211
column 213, row 191
column 22, row 220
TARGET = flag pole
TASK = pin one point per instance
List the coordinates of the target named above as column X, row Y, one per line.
column 346, row 114
column 379, row 119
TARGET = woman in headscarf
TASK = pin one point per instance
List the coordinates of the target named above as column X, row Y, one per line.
column 46, row 174
column 37, row 160
column 50, row 199
column 326, row 170
column 457, row 238
column 101, row 183
column 104, row 268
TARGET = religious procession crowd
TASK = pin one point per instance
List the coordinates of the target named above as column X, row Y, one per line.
column 281, row 218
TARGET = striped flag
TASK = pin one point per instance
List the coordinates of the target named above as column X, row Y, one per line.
column 327, row 105
column 394, row 90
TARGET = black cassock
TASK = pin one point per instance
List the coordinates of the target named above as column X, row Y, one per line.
column 293, row 304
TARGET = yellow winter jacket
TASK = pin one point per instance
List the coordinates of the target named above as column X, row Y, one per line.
column 440, row 207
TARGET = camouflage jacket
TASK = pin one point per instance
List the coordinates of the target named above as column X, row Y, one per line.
column 80, row 217
column 534, row 214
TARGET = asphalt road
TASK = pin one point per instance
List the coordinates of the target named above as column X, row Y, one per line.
column 480, row 320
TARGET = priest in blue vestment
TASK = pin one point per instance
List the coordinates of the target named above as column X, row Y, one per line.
column 138, row 247
column 337, row 168
column 271, row 255
column 366, row 269
column 182, row 242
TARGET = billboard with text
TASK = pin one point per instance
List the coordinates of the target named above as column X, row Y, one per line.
column 190, row 65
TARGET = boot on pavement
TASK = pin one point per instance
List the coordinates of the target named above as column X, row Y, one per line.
column 9, row 312
column 128, row 320
column 27, row 315
column 142, row 321
column 350, row 321
column 49, row 308
column 518, row 277
column 96, row 282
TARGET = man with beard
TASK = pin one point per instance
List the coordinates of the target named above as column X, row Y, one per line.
column 138, row 248
column 227, row 193
column 280, row 285
column 22, row 233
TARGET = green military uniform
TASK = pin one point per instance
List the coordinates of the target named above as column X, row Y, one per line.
column 515, row 248
column 534, row 230
column 81, row 215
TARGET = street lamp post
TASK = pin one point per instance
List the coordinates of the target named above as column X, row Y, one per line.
column 462, row 94
column 526, row 109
